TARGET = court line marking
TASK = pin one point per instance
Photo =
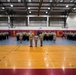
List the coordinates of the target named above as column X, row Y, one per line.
column 49, row 58
column 10, row 51
column 51, row 62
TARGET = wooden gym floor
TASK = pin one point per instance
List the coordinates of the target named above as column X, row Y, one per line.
column 57, row 58
column 25, row 57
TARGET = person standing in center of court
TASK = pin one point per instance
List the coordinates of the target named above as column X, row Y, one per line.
column 31, row 39
column 36, row 40
column 41, row 39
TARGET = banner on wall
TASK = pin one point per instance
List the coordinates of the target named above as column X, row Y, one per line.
column 59, row 33
column 14, row 33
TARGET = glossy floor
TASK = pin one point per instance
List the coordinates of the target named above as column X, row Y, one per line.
column 59, row 41
column 57, row 58
column 54, row 56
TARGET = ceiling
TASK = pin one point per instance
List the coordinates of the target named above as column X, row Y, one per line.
column 37, row 7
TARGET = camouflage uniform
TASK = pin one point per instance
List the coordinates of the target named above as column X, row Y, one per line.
column 36, row 39
column 20, row 37
column 31, row 39
column 41, row 39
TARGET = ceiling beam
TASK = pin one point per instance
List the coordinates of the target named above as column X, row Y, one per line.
column 35, row 6
column 52, row 6
column 7, row 11
column 37, row 9
column 41, row 1
column 71, row 9
column 26, row 7
column 4, row 8
column 3, row 16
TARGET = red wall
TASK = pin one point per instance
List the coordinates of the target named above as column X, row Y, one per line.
column 59, row 33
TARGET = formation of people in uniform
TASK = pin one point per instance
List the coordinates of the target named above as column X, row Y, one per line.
column 24, row 35
column 42, row 36
column 49, row 36
column 69, row 35
column 4, row 35
column 31, row 37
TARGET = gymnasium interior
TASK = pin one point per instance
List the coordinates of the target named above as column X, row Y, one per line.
column 55, row 20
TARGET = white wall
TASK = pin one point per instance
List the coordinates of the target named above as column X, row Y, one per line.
column 19, row 23
column 38, row 23
column 36, row 28
column 56, row 23
column 3, row 23
column 71, row 21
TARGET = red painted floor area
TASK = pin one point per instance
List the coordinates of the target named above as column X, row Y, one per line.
column 37, row 71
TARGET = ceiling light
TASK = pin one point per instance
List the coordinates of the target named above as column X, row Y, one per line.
column 61, row 0
column 19, row 0
column 74, row 8
column 50, row 0
column 11, row 5
column 30, row 12
column 3, row 8
column 49, row 8
column 71, row 0
column 67, row 6
column 29, row 0
column 46, row 12
column 8, row 0
column 28, row 7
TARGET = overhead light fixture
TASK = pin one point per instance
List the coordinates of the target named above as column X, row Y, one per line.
column 71, row 0
column 28, row 7
column 3, row 8
column 48, row 7
column 19, row 0
column 61, row 0
column 46, row 12
column 29, row 0
column 8, row 0
column 50, row 0
column 29, row 11
column 74, row 8
column 67, row 6
column 11, row 5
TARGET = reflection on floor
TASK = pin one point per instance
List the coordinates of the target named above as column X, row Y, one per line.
column 59, row 41
column 57, row 58
column 47, row 59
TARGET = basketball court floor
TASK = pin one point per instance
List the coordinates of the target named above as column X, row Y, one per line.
column 25, row 18
column 57, row 58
